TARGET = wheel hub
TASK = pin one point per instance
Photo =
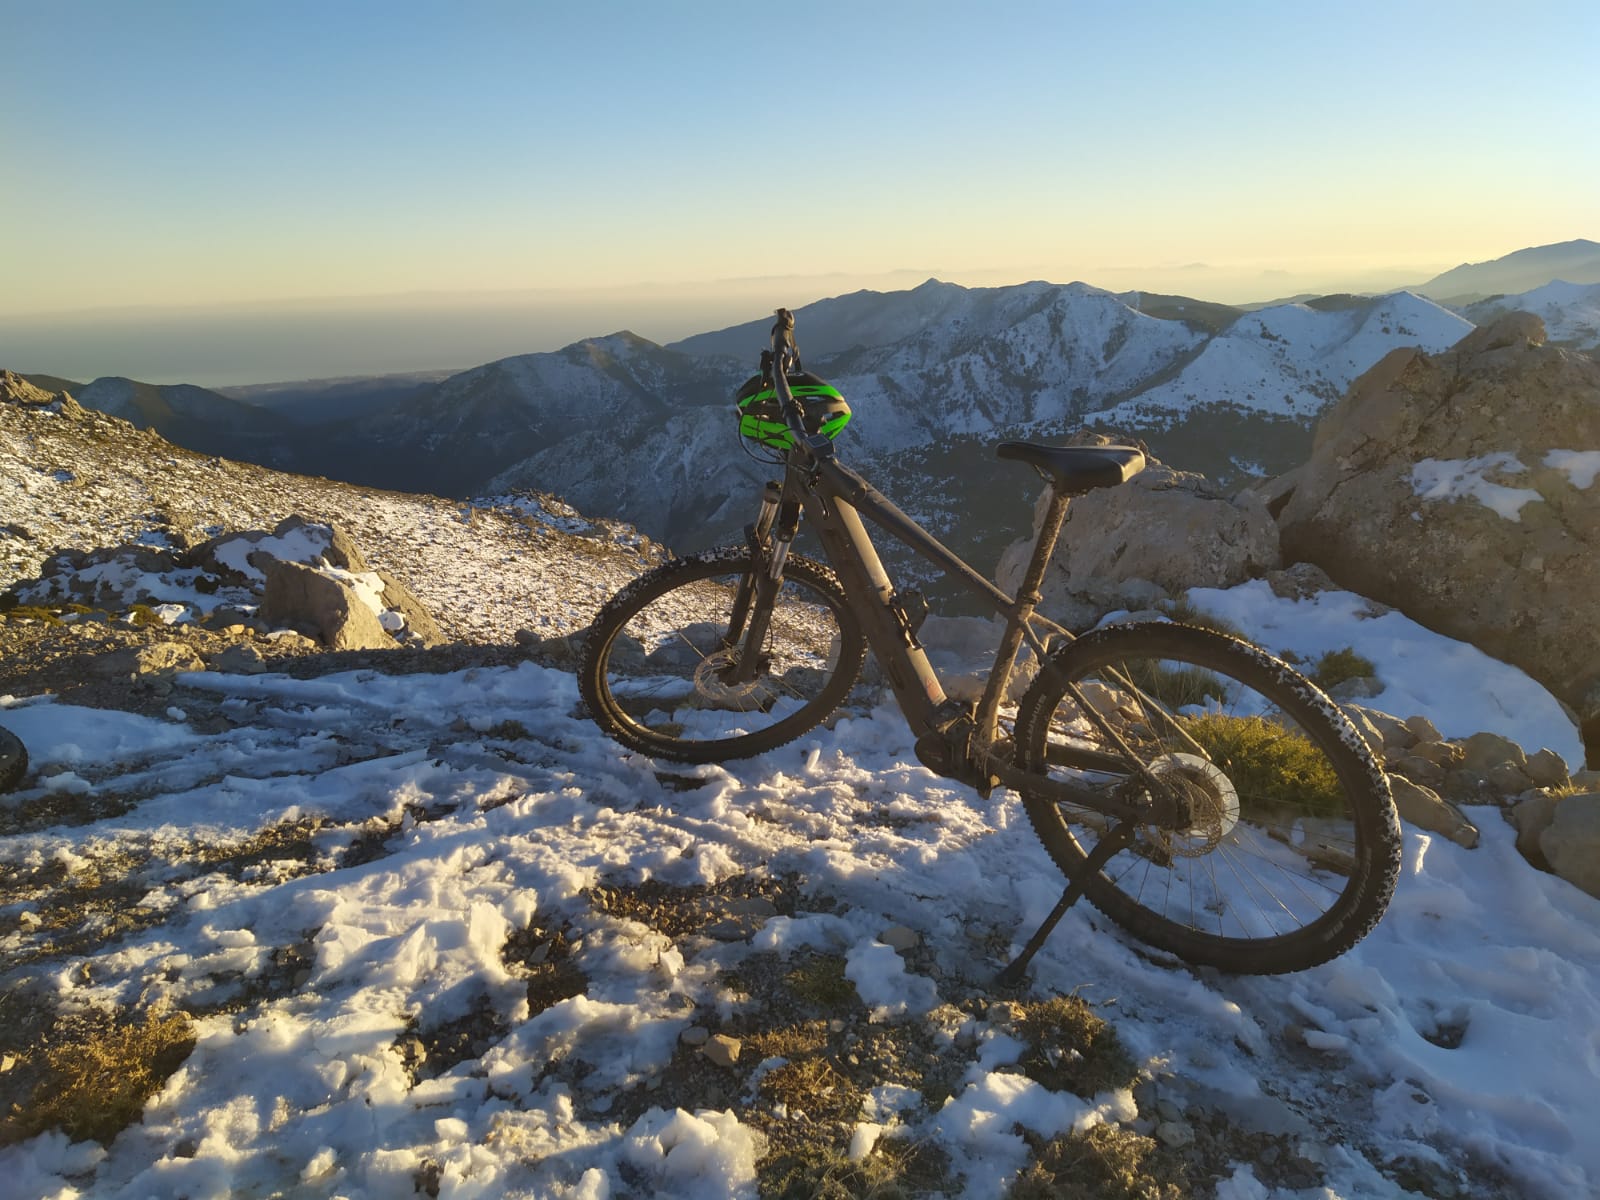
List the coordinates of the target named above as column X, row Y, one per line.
column 1213, row 804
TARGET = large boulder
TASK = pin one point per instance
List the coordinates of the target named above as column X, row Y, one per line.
column 304, row 597
column 1461, row 488
column 1160, row 533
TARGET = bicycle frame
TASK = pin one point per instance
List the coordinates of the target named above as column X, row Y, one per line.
column 835, row 499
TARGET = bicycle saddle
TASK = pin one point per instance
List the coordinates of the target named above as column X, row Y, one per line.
column 1073, row 470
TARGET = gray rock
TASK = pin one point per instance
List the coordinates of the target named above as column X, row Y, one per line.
column 1424, row 808
column 1546, row 769
column 149, row 663
column 1571, row 842
column 1359, row 687
column 1482, row 752
column 1417, row 769
column 900, row 938
column 722, row 1050
column 1369, row 732
column 1532, row 817
column 695, row 1035
column 1508, row 779
column 298, row 594
column 1425, row 730
column 1175, row 1134
column 1396, row 734
column 1520, row 589
column 241, row 659
column 1445, row 754
column 419, row 621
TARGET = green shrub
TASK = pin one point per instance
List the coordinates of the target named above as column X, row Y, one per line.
column 1336, row 666
column 1270, row 765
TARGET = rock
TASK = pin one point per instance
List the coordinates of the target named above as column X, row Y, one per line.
column 1417, row 769
column 1546, row 769
column 1482, row 752
column 1509, row 779
column 1532, row 817
column 1571, row 842
column 1425, row 730
column 1174, row 1134
column 1445, row 486
column 900, row 938
column 1160, row 533
column 1359, row 687
column 722, row 1050
column 419, row 621
column 695, row 1035
column 1396, row 734
column 1424, row 808
column 239, row 660
column 1369, row 732
column 14, row 389
column 298, row 594
column 158, row 660
column 1444, row 754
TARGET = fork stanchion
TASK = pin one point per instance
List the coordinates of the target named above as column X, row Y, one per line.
column 1114, row 841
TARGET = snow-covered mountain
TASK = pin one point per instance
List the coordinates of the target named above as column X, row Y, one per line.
column 1570, row 312
column 1293, row 359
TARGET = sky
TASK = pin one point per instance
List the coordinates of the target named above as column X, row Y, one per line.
column 664, row 166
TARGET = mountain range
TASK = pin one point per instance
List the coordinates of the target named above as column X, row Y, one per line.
column 623, row 427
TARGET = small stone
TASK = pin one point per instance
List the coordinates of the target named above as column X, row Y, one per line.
column 8, row 1062
column 1484, row 751
column 1424, row 729
column 1509, row 779
column 1546, row 769
column 695, row 1035
column 900, row 938
column 1169, row 1110
column 1424, row 808
column 722, row 1050
column 1443, row 754
column 1174, row 1134
column 1417, row 769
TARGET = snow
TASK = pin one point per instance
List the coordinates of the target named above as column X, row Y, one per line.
column 1453, row 479
column 1458, row 687
column 306, row 1092
column 1580, row 466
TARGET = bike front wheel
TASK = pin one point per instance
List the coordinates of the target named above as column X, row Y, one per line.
column 1292, row 847
column 660, row 668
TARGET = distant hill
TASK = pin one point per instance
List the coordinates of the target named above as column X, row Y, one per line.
column 1577, row 261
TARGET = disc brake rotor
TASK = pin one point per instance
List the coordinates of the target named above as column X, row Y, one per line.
column 713, row 688
column 1213, row 803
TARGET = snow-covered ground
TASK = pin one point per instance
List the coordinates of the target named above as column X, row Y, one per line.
column 1459, row 1038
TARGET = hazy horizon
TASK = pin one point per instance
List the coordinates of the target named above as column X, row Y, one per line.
column 267, row 341
column 630, row 164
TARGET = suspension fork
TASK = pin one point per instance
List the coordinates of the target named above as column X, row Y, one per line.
column 770, row 538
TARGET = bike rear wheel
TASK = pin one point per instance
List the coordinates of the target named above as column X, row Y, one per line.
column 658, row 668
column 1293, row 848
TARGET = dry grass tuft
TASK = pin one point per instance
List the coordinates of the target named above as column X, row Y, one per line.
column 97, row 1073
column 1071, row 1048
column 1106, row 1163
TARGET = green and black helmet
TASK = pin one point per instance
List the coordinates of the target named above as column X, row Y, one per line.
column 759, row 419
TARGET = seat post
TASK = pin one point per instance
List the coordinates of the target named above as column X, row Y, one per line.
column 1049, row 531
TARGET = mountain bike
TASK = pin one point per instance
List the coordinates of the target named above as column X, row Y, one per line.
column 1199, row 791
